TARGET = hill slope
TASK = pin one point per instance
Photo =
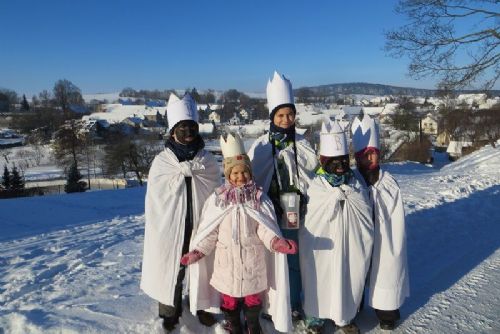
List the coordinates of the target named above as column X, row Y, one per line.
column 71, row 263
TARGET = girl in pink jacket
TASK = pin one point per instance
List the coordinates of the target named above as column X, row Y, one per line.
column 239, row 224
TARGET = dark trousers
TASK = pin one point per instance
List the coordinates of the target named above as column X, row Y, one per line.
column 167, row 311
column 295, row 280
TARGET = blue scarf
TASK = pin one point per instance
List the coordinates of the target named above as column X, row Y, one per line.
column 281, row 138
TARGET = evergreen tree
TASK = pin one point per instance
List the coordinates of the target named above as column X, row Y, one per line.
column 195, row 95
column 6, row 178
column 73, row 181
column 16, row 181
column 24, row 104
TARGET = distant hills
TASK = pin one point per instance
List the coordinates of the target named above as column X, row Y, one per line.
column 377, row 89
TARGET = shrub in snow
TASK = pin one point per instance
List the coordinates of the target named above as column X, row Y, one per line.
column 73, row 182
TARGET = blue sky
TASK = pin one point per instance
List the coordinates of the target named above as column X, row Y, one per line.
column 104, row 46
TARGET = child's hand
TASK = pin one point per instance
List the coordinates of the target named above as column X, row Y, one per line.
column 191, row 257
column 284, row 246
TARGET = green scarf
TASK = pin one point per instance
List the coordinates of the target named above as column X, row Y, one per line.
column 334, row 179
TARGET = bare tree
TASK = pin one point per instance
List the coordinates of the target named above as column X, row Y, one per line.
column 125, row 154
column 454, row 40
column 68, row 144
column 45, row 98
column 66, row 94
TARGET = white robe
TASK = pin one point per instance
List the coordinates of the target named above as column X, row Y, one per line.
column 203, row 296
column 335, row 249
column 165, row 212
column 389, row 282
column 261, row 156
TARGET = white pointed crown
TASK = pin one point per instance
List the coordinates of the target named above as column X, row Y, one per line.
column 279, row 91
column 181, row 109
column 231, row 146
column 364, row 133
column 333, row 141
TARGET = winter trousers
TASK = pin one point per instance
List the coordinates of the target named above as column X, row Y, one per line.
column 295, row 280
column 252, row 305
column 231, row 303
column 167, row 311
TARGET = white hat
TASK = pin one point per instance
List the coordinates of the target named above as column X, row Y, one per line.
column 332, row 141
column 232, row 146
column 181, row 110
column 364, row 133
column 279, row 91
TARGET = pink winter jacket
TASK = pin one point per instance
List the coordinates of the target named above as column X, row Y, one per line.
column 239, row 268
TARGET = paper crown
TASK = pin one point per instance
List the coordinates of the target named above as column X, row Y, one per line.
column 231, row 146
column 364, row 133
column 332, row 141
column 279, row 91
column 181, row 110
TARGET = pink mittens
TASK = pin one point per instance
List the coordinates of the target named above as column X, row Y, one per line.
column 284, row 246
column 191, row 257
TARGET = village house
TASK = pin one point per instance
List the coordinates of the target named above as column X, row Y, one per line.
column 443, row 139
column 214, row 116
column 235, row 120
column 429, row 125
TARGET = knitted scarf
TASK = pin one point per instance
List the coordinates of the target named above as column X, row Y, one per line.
column 333, row 179
column 280, row 137
column 228, row 194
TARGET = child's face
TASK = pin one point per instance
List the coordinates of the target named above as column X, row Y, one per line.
column 284, row 117
column 239, row 175
column 370, row 160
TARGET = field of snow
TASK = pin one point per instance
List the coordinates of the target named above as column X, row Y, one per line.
column 71, row 263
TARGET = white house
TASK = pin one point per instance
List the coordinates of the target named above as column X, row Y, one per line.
column 490, row 103
column 235, row 120
column 454, row 149
column 244, row 114
column 429, row 125
column 214, row 116
column 471, row 99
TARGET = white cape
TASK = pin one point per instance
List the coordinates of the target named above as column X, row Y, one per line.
column 165, row 212
column 261, row 156
column 203, row 296
column 389, row 282
column 335, row 248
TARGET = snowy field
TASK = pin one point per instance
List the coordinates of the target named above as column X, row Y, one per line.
column 71, row 263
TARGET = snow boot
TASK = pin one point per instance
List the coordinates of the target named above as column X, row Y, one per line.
column 349, row 329
column 169, row 323
column 314, row 325
column 206, row 318
column 170, row 316
column 387, row 319
column 252, row 314
column 232, row 322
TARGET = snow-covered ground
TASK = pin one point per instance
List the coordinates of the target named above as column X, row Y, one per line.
column 71, row 263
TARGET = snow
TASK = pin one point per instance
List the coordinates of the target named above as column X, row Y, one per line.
column 115, row 113
column 71, row 263
column 471, row 98
column 110, row 97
